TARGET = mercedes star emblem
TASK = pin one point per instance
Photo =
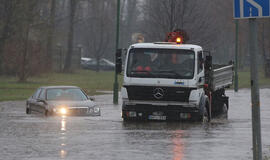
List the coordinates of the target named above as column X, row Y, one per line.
column 158, row 93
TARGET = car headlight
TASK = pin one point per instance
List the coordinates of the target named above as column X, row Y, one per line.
column 96, row 110
column 63, row 111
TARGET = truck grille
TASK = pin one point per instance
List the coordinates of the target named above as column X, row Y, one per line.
column 179, row 94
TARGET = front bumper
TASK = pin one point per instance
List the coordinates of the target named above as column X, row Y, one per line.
column 75, row 111
column 160, row 111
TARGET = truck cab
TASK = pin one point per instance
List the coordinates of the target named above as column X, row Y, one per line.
column 173, row 81
column 164, row 81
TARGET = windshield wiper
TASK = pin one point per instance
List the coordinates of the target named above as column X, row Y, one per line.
column 170, row 72
column 143, row 73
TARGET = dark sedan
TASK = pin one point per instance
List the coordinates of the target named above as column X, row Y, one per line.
column 61, row 100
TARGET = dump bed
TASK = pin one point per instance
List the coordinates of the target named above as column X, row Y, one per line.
column 218, row 76
column 222, row 76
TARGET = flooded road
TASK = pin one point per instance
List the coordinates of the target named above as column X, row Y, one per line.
column 108, row 137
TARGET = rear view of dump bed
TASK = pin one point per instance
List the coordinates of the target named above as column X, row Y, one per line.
column 222, row 77
column 218, row 76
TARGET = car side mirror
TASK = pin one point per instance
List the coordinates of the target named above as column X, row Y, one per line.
column 42, row 101
column 91, row 98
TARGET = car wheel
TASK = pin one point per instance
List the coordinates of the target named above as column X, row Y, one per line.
column 47, row 113
column 28, row 109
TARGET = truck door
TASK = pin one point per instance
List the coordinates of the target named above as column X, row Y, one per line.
column 200, row 68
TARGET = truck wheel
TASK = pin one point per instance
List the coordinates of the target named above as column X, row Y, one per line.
column 224, row 111
column 205, row 116
column 125, row 119
column 28, row 109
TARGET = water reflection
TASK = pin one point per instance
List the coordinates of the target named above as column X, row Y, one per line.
column 162, row 133
column 63, row 153
column 63, row 129
column 178, row 146
column 63, row 124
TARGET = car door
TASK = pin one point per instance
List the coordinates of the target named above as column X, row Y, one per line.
column 33, row 100
column 40, row 106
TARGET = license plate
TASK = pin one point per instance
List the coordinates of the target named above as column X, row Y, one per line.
column 151, row 117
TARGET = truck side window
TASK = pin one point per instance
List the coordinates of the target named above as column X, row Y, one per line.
column 200, row 62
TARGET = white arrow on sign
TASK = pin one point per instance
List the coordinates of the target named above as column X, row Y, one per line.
column 256, row 5
column 241, row 8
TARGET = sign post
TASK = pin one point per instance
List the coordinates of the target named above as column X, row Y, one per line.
column 115, row 85
column 255, row 95
column 236, row 57
column 252, row 9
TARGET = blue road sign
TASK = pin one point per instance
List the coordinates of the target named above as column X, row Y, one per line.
column 251, row 8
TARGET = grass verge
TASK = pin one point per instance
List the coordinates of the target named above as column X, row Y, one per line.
column 244, row 80
column 90, row 81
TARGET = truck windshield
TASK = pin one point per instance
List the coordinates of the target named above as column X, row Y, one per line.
column 161, row 63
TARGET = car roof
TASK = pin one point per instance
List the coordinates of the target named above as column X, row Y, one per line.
column 52, row 87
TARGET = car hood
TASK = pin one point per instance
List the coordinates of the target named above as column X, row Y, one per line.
column 71, row 104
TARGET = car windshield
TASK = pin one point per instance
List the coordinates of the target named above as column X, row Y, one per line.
column 161, row 63
column 66, row 94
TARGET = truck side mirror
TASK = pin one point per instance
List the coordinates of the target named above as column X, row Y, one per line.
column 118, row 61
column 208, row 62
column 124, row 50
column 200, row 60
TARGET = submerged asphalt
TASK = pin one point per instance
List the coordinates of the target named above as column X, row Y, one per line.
column 107, row 137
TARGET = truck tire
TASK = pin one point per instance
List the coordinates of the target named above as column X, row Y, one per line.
column 224, row 111
column 205, row 115
column 204, row 110
column 125, row 119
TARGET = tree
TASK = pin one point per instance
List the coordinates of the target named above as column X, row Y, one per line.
column 129, row 21
column 23, row 48
column 7, row 13
column 73, row 4
column 51, row 28
column 27, row 20
column 98, row 29
column 163, row 16
column 263, row 39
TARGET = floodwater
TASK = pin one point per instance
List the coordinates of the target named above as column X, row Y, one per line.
column 108, row 138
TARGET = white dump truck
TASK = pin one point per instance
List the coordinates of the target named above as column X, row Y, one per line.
column 173, row 81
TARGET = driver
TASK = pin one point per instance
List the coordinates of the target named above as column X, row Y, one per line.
column 143, row 63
